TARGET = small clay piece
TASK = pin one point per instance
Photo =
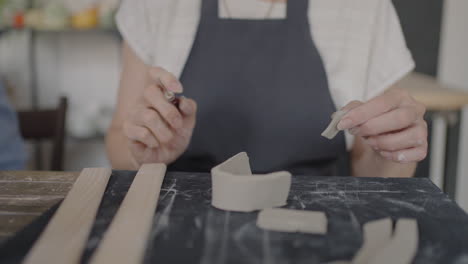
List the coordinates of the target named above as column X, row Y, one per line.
column 402, row 247
column 332, row 129
column 377, row 234
column 234, row 188
column 287, row 220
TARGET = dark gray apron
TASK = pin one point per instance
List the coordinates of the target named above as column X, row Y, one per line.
column 261, row 87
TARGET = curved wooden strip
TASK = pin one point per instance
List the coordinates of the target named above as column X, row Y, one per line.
column 125, row 240
column 65, row 237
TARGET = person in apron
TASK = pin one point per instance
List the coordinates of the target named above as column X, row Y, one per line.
column 258, row 86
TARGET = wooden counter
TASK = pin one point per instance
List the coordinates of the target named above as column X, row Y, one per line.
column 24, row 195
column 434, row 95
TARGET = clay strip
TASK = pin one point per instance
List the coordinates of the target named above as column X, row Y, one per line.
column 403, row 246
column 287, row 220
column 377, row 234
column 332, row 129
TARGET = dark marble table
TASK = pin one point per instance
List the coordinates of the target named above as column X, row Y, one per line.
column 187, row 229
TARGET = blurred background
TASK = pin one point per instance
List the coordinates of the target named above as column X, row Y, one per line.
column 53, row 49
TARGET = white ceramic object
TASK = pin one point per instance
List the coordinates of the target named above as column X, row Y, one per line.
column 235, row 188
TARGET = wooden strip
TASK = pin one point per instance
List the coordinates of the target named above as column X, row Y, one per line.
column 65, row 236
column 125, row 241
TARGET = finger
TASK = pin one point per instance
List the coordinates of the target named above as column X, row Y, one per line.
column 188, row 107
column 394, row 120
column 166, row 79
column 141, row 153
column 375, row 107
column 140, row 134
column 152, row 120
column 406, row 156
column 352, row 105
column 414, row 136
column 154, row 97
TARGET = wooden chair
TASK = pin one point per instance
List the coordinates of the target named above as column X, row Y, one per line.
column 42, row 125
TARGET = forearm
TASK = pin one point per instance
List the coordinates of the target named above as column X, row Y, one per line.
column 365, row 162
column 117, row 150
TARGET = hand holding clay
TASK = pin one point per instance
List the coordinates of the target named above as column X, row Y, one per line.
column 392, row 124
column 159, row 131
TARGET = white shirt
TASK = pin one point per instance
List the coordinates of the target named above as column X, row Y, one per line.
column 360, row 41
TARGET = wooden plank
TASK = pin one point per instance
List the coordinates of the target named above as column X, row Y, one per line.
column 65, row 236
column 47, row 176
column 31, row 200
column 433, row 94
column 6, row 209
column 125, row 241
column 16, row 189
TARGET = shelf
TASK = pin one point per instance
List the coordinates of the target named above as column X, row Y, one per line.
column 62, row 31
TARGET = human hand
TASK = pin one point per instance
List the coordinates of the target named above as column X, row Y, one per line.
column 392, row 124
column 157, row 130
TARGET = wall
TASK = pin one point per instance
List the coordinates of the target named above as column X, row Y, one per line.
column 84, row 67
column 421, row 22
column 453, row 71
column 453, row 66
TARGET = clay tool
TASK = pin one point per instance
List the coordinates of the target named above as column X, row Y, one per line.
column 172, row 98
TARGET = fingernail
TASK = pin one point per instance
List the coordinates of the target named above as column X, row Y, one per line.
column 354, row 130
column 345, row 124
column 386, row 154
column 175, row 87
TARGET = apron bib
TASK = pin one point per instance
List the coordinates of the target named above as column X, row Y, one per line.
column 261, row 87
